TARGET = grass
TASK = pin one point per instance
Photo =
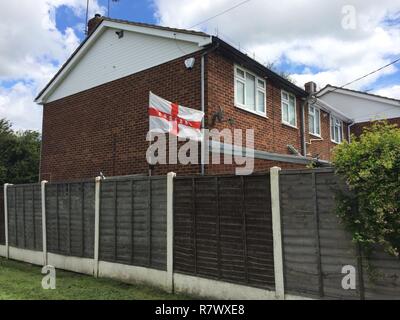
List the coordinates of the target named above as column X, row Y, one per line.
column 22, row 281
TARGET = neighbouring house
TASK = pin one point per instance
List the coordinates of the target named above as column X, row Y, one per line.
column 95, row 108
column 361, row 107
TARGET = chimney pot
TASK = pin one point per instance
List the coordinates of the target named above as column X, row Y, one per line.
column 310, row 87
column 93, row 23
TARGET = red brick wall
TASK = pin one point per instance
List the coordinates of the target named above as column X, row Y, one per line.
column 358, row 128
column 322, row 146
column 103, row 128
column 270, row 134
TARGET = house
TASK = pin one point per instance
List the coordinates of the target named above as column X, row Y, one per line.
column 95, row 108
column 361, row 107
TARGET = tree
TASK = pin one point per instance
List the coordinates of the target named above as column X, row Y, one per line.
column 370, row 165
column 283, row 74
column 19, row 155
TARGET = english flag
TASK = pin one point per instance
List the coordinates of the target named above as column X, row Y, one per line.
column 165, row 116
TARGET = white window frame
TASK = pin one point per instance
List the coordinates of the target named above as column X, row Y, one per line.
column 315, row 110
column 288, row 103
column 257, row 89
column 334, row 121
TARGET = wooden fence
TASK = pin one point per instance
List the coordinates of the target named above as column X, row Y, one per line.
column 70, row 218
column 223, row 229
column 316, row 246
column 133, row 221
column 249, row 235
column 24, row 216
column 2, row 227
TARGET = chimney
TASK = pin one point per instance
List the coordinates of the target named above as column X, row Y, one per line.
column 93, row 23
column 310, row 87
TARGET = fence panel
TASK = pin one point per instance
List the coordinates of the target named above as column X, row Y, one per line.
column 2, row 228
column 223, row 229
column 70, row 218
column 133, row 228
column 385, row 282
column 25, row 216
column 316, row 245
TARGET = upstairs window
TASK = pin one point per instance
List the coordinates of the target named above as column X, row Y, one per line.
column 288, row 109
column 314, row 121
column 250, row 92
column 336, row 130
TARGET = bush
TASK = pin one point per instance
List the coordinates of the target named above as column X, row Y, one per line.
column 370, row 166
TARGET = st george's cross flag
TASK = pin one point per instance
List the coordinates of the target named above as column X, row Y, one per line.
column 168, row 117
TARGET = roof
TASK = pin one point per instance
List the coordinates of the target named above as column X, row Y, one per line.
column 154, row 26
column 329, row 88
column 228, row 49
column 185, row 35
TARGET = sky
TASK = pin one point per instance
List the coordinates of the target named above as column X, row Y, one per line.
column 328, row 42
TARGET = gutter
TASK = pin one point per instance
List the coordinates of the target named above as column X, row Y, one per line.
column 224, row 148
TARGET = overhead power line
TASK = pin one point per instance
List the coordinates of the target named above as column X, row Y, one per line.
column 220, row 14
column 368, row 74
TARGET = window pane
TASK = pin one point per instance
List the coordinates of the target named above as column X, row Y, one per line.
column 239, row 92
column 285, row 96
column 285, row 113
column 261, row 101
column 336, row 134
column 250, row 91
column 292, row 119
column 311, row 123
column 317, row 119
column 240, row 73
column 261, row 84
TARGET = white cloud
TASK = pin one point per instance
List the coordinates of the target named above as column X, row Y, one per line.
column 305, row 33
column 16, row 104
column 391, row 92
column 31, row 51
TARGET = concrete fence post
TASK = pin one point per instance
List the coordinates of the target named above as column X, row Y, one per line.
column 44, row 231
column 277, row 233
column 96, row 227
column 170, row 230
column 6, row 219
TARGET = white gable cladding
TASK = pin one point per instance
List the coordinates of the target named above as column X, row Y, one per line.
column 111, row 58
column 362, row 109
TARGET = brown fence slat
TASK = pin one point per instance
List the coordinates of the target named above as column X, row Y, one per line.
column 2, row 227
column 222, row 229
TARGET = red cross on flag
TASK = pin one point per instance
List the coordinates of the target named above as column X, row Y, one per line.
column 165, row 116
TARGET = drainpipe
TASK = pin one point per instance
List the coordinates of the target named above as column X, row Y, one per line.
column 348, row 130
column 203, row 107
column 302, row 129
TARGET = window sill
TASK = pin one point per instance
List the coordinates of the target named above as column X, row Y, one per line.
column 335, row 142
column 264, row 115
column 316, row 135
column 289, row 125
